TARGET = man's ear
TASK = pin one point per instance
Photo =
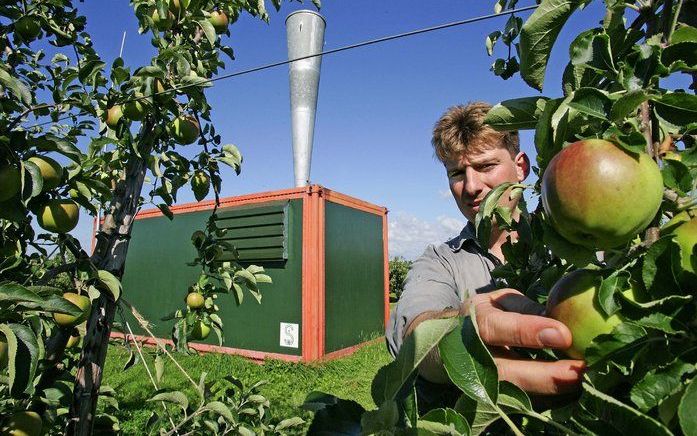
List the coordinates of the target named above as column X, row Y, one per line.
column 522, row 162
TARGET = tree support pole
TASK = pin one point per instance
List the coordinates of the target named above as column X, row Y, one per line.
column 109, row 255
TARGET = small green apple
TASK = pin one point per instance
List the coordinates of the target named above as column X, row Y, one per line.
column 200, row 330
column 572, row 301
column 184, row 129
column 195, row 300
column 25, row 423
column 51, row 171
column 162, row 24
column 81, row 301
column 58, row 215
column 219, row 21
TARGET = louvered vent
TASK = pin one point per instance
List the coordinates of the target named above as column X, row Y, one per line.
column 258, row 233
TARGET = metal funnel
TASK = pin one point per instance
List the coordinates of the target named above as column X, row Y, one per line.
column 305, row 31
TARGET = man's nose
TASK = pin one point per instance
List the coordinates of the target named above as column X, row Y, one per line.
column 473, row 183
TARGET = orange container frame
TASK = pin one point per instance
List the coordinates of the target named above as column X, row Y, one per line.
column 314, row 199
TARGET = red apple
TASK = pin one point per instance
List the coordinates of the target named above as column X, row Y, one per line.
column 598, row 195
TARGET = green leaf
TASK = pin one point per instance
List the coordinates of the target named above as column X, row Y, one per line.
column 482, row 221
column 686, row 410
column 676, row 176
column 538, row 35
column 385, row 418
column 14, row 85
column 111, row 283
column 591, row 101
column 444, row 421
column 658, row 269
column 544, row 134
column 208, row 30
column 684, row 34
column 289, row 423
column 680, row 57
column 591, row 49
column 23, row 357
column 605, row 413
column 659, row 384
column 677, row 108
column 627, row 104
column 159, row 367
column 175, row 397
column 391, row 378
column 516, row 114
column 491, row 41
column 469, row 363
column 615, row 283
column 32, row 181
column 511, row 400
column 622, row 336
column 221, row 409
column 165, row 211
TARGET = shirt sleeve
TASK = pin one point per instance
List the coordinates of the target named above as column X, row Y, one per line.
column 430, row 286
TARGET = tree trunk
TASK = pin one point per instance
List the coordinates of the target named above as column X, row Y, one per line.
column 109, row 255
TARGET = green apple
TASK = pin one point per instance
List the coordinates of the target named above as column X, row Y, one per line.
column 598, row 195
column 162, row 24
column 73, row 340
column 200, row 330
column 113, row 116
column 219, row 21
column 135, row 110
column 10, row 182
column 51, row 171
column 184, row 129
column 28, row 28
column 195, row 300
column 572, row 301
column 26, row 423
column 684, row 230
column 58, row 215
column 81, row 301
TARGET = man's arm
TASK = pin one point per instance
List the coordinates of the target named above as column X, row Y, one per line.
column 506, row 318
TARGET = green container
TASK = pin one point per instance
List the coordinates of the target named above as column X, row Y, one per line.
column 325, row 252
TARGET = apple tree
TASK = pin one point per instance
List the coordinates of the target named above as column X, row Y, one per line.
column 78, row 132
column 610, row 248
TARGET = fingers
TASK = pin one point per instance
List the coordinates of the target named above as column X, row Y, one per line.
column 544, row 378
column 498, row 327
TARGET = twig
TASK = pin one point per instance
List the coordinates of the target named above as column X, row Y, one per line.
column 147, row 369
column 144, row 324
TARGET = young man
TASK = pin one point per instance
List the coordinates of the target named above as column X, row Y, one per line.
column 447, row 279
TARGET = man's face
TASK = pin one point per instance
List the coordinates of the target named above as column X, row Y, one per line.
column 471, row 176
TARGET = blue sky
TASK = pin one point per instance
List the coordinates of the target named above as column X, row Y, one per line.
column 376, row 106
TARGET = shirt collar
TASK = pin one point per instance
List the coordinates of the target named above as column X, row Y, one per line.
column 467, row 234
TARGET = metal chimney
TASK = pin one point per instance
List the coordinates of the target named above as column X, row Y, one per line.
column 305, row 31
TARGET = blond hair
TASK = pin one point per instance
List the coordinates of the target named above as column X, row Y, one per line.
column 460, row 130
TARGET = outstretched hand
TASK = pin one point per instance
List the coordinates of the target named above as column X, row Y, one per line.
column 506, row 318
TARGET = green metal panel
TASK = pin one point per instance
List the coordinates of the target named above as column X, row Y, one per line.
column 354, row 276
column 157, row 276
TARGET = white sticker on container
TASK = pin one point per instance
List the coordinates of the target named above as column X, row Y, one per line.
column 289, row 335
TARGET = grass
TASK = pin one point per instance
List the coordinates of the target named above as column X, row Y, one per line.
column 288, row 383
